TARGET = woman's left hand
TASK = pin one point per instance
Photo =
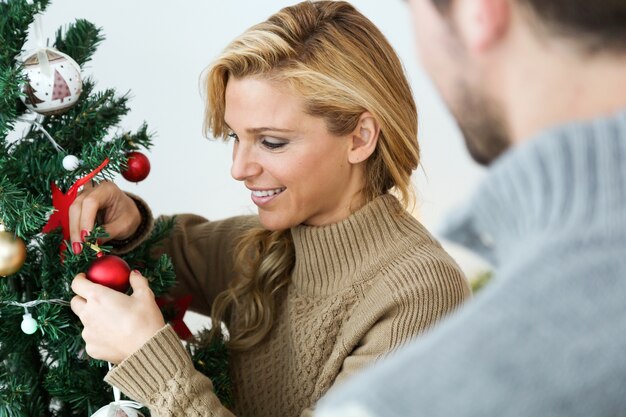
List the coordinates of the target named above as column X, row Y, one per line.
column 116, row 324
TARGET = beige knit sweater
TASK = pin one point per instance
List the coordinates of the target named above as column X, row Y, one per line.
column 359, row 289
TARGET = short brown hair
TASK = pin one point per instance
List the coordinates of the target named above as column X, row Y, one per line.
column 598, row 25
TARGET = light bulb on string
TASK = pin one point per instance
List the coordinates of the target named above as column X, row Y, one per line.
column 29, row 324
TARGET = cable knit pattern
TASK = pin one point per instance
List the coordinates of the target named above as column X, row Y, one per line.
column 359, row 289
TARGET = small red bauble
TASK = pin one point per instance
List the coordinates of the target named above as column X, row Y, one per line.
column 138, row 167
column 110, row 271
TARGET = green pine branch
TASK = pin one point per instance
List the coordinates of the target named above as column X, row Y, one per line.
column 10, row 93
column 15, row 18
column 79, row 384
column 22, row 212
column 91, row 118
column 13, row 393
column 80, row 40
column 137, row 140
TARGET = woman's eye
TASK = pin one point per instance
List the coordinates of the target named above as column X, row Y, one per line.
column 234, row 136
column 273, row 143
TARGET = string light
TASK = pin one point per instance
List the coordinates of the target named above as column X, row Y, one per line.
column 29, row 324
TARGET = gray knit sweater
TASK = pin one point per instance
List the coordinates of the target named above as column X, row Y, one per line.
column 548, row 336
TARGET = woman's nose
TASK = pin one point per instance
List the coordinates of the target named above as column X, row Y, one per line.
column 245, row 164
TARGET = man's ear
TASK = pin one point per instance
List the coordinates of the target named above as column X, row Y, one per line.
column 481, row 23
column 364, row 138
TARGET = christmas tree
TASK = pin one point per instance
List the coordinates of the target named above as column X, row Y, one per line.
column 44, row 370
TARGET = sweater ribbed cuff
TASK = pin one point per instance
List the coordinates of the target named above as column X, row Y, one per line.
column 143, row 375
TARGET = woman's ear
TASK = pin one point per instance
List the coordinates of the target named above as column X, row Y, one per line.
column 364, row 138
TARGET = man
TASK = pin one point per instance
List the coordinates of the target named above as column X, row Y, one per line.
column 539, row 90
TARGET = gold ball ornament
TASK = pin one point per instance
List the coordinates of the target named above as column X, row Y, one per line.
column 12, row 253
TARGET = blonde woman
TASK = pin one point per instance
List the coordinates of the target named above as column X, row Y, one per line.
column 332, row 274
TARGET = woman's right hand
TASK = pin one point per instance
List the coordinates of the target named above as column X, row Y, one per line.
column 120, row 215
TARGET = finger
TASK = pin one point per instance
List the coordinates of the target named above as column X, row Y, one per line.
column 140, row 285
column 77, row 304
column 98, row 206
column 75, row 214
column 81, row 217
column 84, row 211
column 89, row 211
column 83, row 287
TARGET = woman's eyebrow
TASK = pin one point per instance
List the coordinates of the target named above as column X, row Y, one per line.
column 253, row 130
column 256, row 130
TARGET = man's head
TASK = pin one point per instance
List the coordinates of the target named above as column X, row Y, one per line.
column 493, row 60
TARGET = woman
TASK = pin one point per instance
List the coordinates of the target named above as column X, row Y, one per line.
column 333, row 273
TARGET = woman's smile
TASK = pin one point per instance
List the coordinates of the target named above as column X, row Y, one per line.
column 261, row 197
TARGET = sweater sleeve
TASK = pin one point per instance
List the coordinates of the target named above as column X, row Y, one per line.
column 161, row 376
column 400, row 307
column 202, row 252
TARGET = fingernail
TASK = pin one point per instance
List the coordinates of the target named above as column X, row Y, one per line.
column 77, row 248
column 136, row 271
column 83, row 234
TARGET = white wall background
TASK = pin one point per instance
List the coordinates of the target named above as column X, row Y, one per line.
column 157, row 49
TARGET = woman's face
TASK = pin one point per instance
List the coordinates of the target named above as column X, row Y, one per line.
column 297, row 172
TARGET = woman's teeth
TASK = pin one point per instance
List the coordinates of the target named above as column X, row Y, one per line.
column 267, row 193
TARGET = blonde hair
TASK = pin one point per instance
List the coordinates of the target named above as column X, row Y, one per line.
column 341, row 65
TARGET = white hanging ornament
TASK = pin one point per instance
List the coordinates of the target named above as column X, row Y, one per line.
column 53, row 81
column 29, row 324
column 71, row 162
column 119, row 409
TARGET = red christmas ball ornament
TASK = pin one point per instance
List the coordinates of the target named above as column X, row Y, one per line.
column 110, row 271
column 138, row 167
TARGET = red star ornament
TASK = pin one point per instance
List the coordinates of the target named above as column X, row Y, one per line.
column 62, row 203
column 173, row 313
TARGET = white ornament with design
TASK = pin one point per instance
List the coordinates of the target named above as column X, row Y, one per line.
column 53, row 81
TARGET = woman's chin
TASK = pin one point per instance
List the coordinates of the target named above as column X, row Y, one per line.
column 274, row 223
